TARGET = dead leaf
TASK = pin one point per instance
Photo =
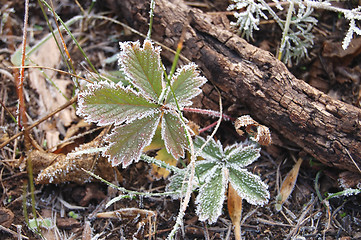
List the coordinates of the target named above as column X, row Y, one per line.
column 234, row 203
column 60, row 168
column 51, row 94
column 288, row 184
column 6, row 217
column 259, row 133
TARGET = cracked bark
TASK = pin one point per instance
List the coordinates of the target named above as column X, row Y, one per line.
column 326, row 128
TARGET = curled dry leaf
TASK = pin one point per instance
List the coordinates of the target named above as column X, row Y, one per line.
column 259, row 133
column 234, row 204
column 60, row 168
column 288, row 185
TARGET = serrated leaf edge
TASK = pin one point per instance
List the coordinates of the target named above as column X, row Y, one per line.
column 202, row 216
column 199, row 79
column 241, row 149
column 92, row 87
column 125, row 46
column 137, row 157
column 245, row 196
column 212, row 142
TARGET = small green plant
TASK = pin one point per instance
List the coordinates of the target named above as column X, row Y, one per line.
column 137, row 110
column 153, row 99
column 297, row 36
column 219, row 168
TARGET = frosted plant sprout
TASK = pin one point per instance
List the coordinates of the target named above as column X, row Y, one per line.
column 137, row 110
column 219, row 168
column 297, row 36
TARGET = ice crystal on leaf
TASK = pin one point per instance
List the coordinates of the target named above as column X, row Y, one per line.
column 143, row 67
column 185, row 84
column 137, row 110
column 211, row 197
column 220, row 168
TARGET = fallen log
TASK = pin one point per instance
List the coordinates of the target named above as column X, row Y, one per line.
column 326, row 128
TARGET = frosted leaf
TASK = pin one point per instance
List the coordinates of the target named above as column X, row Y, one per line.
column 178, row 182
column 173, row 135
column 128, row 141
column 204, row 169
column 185, row 84
column 243, row 156
column 248, row 186
column 143, row 67
column 107, row 103
column 211, row 197
column 213, row 151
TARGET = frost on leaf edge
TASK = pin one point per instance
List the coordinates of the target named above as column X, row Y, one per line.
column 246, row 196
column 163, row 127
column 200, row 81
column 138, row 155
column 125, row 46
column 218, row 212
column 216, row 144
column 241, row 148
column 92, row 87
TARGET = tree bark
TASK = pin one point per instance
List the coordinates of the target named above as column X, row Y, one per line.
column 325, row 128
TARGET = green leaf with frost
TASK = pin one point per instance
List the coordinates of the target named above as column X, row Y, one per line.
column 248, row 186
column 174, row 135
column 211, row 197
column 136, row 110
column 128, row 141
column 219, row 168
column 205, row 168
column 143, row 67
column 179, row 183
column 185, row 84
column 242, row 155
column 213, row 151
column 107, row 103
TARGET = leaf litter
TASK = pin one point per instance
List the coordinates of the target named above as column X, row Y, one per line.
column 253, row 229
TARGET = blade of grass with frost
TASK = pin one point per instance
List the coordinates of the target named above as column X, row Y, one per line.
column 211, row 197
column 143, row 67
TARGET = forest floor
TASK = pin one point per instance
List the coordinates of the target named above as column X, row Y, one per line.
column 70, row 203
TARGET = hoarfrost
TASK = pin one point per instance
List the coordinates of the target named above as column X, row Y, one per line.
column 211, row 197
column 186, row 85
column 248, row 186
column 107, row 103
column 212, row 151
column 143, row 66
column 243, row 156
column 128, row 141
column 173, row 134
